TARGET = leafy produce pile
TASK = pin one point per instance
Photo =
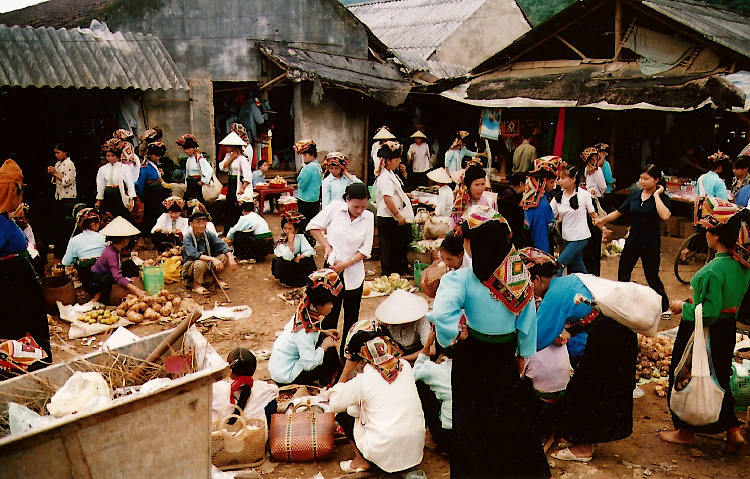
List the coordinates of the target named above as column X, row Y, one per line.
column 101, row 316
column 654, row 356
column 386, row 284
column 138, row 309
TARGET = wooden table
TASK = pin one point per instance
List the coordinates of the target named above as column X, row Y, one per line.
column 268, row 190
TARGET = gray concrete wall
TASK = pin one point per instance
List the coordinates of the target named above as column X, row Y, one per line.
column 217, row 38
column 495, row 25
column 336, row 124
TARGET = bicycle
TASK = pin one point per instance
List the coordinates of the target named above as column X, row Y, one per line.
column 693, row 254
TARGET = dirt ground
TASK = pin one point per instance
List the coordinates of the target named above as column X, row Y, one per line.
column 640, row 455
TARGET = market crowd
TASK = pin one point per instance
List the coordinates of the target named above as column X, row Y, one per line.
column 505, row 284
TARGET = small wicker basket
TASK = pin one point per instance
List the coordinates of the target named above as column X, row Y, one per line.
column 239, row 445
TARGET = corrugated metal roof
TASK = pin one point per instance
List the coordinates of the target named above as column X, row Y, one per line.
column 725, row 27
column 383, row 82
column 85, row 58
column 416, row 27
column 415, row 63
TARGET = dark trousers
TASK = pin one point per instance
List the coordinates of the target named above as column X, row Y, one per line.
column 394, row 242
column 232, row 211
column 350, row 299
column 309, row 209
column 63, row 225
column 592, row 253
column 650, row 259
column 431, row 409
column 112, row 204
column 153, row 195
column 324, row 374
column 247, row 246
column 194, row 190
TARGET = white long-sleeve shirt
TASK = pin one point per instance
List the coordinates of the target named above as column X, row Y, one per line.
column 389, row 431
column 200, row 168
column 444, row 201
column 347, row 237
column 596, row 182
column 115, row 174
column 301, row 246
column 166, row 225
column 240, row 167
column 65, row 187
column 294, row 352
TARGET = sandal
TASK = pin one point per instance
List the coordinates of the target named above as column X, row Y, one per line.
column 566, row 455
column 201, row 290
column 346, row 466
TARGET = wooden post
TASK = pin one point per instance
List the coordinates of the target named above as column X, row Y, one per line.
column 366, row 159
column 618, row 28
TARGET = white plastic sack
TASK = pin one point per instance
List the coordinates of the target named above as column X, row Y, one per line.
column 81, row 392
column 699, row 403
column 633, row 305
column 154, row 385
column 22, row 419
column 121, row 337
column 80, row 329
column 228, row 313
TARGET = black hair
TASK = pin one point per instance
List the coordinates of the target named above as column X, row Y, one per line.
column 320, row 295
column 543, row 270
column 248, row 206
column 729, row 231
column 517, row 178
column 573, row 172
column 174, row 207
column 490, row 244
column 86, row 224
column 741, row 162
column 189, row 143
column 453, row 243
column 473, row 173
column 356, row 191
column 312, row 150
column 359, row 339
column 242, row 362
column 62, row 147
column 654, row 172
column 386, row 153
column 262, row 162
column 158, row 149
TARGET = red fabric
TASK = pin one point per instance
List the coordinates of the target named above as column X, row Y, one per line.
column 238, row 382
column 557, row 150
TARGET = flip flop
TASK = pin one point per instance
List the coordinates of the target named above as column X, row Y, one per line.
column 346, row 466
column 566, row 455
column 201, row 290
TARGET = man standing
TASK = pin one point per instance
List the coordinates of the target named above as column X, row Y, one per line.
column 64, row 178
column 524, row 154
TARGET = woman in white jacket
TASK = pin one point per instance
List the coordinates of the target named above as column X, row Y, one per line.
column 379, row 409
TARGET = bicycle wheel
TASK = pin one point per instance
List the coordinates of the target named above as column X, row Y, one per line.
column 692, row 256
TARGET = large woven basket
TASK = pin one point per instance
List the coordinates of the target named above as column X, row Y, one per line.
column 239, row 445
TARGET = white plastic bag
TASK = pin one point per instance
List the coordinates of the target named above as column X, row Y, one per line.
column 698, row 403
column 22, row 419
column 633, row 305
column 81, row 392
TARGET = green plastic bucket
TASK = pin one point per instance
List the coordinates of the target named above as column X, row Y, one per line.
column 153, row 279
column 418, row 268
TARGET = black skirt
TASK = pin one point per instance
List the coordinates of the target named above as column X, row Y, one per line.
column 112, row 204
column 493, row 409
column 23, row 305
column 153, row 195
column 598, row 404
column 722, row 339
column 232, row 211
column 292, row 273
column 394, row 242
column 194, row 190
column 247, row 246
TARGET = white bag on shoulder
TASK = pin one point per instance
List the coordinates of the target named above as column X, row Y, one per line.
column 698, row 403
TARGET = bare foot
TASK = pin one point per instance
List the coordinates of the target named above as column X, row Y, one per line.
column 582, row 450
column 358, row 463
column 678, row 436
column 735, row 441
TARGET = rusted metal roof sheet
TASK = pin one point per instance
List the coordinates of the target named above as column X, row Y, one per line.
column 382, row 81
column 85, row 58
column 720, row 25
column 439, row 69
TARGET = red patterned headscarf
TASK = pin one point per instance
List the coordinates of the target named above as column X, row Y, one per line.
column 303, row 146
column 187, row 141
column 307, row 318
column 545, row 169
column 335, row 158
column 711, row 212
column 239, row 128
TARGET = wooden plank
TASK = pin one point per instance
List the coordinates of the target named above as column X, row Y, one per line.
column 570, row 45
column 79, row 466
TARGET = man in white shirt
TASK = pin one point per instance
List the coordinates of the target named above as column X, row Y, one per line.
column 418, row 156
column 347, row 242
column 64, row 179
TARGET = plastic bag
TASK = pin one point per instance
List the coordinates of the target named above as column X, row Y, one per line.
column 212, row 190
column 436, row 227
column 21, row 418
column 82, row 391
column 78, row 329
column 699, row 402
column 172, row 268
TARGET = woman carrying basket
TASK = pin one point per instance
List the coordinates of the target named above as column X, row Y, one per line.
column 720, row 286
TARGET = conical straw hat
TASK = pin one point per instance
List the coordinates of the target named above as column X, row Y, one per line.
column 233, row 139
column 401, row 307
column 119, row 227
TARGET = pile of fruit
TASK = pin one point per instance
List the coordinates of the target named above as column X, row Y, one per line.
column 654, row 356
column 386, row 284
column 175, row 251
column 277, row 181
column 138, row 309
column 100, row 316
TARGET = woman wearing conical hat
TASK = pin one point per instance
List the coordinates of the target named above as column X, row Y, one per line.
column 108, row 269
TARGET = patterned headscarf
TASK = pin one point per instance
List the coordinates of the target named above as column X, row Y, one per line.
column 151, row 135
column 187, row 141
column 461, row 196
column 11, row 185
column 87, row 214
column 173, row 200
column 532, row 256
column 603, row 148
column 461, row 137
column 303, row 146
column 711, row 212
column 367, row 325
column 510, row 282
column 589, row 153
column 197, row 210
column 292, row 217
column 306, row 318
column 381, row 352
column 335, row 158
column 122, row 134
column 239, row 128
column 156, row 148
column 545, row 169
column 718, row 157
column 113, row 145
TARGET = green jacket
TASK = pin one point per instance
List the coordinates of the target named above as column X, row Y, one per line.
column 720, row 286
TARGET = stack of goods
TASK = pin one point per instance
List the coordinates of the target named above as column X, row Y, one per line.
column 101, row 316
column 277, row 182
column 654, row 356
column 164, row 304
column 173, row 252
column 386, row 284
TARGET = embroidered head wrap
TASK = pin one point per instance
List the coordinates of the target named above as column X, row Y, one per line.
column 545, row 169
column 239, row 128
column 711, row 212
column 197, row 210
column 461, row 137
column 510, row 281
column 173, row 200
column 603, row 148
column 291, row 217
column 532, row 256
column 87, row 214
column 187, row 141
column 113, row 145
column 303, row 146
column 307, row 318
column 122, row 134
column 718, row 157
column 377, row 350
column 367, row 325
column 156, row 148
column 589, row 153
column 151, row 135
column 461, row 196
column 335, row 158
